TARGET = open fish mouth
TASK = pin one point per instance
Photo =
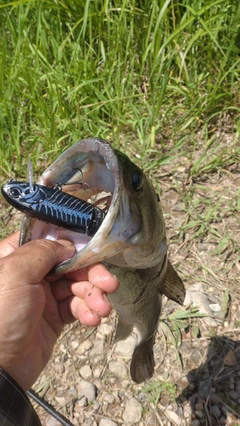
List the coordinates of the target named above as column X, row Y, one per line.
column 88, row 170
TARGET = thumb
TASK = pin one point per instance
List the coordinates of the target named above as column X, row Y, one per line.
column 34, row 260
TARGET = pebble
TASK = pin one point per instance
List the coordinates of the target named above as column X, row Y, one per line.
column 87, row 390
column 199, row 413
column 132, row 412
column 104, row 329
column 81, row 402
column 126, row 347
column 195, row 422
column 97, row 372
column 204, row 387
column 199, row 406
column 234, row 395
column 118, row 369
column 174, row 417
column 59, row 368
column 238, row 386
column 51, row 421
column 74, row 344
column 214, row 399
column 187, row 410
column 215, row 410
column 85, row 372
column 61, row 400
column 107, row 422
column 98, row 349
column 84, row 347
column 109, row 398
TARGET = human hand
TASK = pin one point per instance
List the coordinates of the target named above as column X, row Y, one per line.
column 34, row 308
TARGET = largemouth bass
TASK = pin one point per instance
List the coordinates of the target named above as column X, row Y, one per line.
column 131, row 240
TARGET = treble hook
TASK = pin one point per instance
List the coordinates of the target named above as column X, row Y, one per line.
column 61, row 184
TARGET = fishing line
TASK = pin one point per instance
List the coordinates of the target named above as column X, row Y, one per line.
column 30, row 175
column 49, row 408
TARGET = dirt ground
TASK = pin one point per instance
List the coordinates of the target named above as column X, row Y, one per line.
column 197, row 377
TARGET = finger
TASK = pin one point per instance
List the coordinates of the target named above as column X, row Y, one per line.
column 98, row 275
column 73, row 309
column 9, row 244
column 36, row 258
column 83, row 313
column 95, row 298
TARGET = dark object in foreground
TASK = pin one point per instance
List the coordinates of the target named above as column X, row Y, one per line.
column 54, row 206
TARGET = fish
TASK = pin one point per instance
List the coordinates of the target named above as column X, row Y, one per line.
column 131, row 240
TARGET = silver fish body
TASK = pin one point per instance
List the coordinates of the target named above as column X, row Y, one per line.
column 131, row 239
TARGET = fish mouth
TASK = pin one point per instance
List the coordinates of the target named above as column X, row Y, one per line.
column 88, row 170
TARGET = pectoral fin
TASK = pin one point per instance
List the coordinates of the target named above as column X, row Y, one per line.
column 123, row 331
column 173, row 286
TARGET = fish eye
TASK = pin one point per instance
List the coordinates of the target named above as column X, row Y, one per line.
column 15, row 192
column 137, row 180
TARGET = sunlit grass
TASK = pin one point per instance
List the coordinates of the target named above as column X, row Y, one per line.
column 126, row 71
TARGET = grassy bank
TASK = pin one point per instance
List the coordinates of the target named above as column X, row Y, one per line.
column 148, row 75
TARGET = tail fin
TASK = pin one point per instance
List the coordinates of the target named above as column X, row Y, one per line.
column 142, row 365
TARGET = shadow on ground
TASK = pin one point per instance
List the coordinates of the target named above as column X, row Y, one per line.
column 213, row 392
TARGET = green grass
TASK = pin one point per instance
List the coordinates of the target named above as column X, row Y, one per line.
column 133, row 72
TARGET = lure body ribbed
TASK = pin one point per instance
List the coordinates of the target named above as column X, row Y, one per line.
column 54, row 206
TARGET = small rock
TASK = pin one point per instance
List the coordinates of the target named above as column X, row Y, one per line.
column 126, row 347
column 215, row 410
column 81, row 402
column 187, row 411
column 132, row 412
column 85, row 372
column 74, row 344
column 104, row 329
column 107, row 422
column 51, row 421
column 238, row 386
column 198, row 406
column 59, row 368
column 84, row 347
column 195, row 422
column 214, row 399
column 109, row 398
column 195, row 295
column 199, row 413
column 98, row 349
column 73, row 390
column 97, row 372
column 61, row 400
column 234, row 395
column 222, row 420
column 96, row 406
column 118, row 369
column 87, row 390
column 174, row 417
column 204, row 387
column 230, row 359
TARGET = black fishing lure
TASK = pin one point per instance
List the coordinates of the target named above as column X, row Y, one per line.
column 53, row 206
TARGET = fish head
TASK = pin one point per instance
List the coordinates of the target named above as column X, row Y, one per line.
column 93, row 171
